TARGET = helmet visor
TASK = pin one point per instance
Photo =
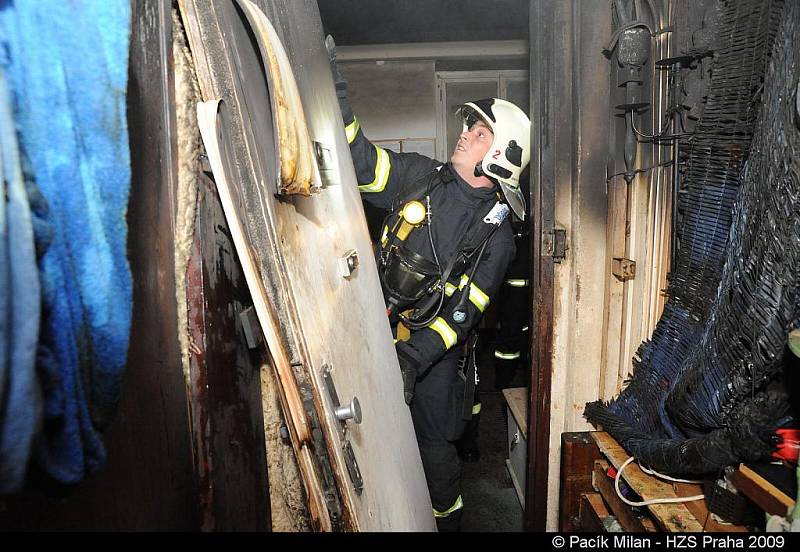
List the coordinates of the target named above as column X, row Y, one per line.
column 469, row 116
column 514, row 198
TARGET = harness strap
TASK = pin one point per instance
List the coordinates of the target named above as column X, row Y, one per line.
column 470, row 370
column 474, row 239
column 459, row 261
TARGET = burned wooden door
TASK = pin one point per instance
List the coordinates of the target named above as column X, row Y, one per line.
column 308, row 258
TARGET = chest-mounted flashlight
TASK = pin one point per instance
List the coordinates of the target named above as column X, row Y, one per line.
column 406, row 275
column 411, row 216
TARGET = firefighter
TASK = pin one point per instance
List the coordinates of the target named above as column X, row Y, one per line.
column 442, row 254
column 511, row 341
column 513, row 313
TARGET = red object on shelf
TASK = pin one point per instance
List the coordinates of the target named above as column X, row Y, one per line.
column 789, row 446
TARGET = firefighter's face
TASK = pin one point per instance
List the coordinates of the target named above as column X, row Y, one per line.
column 472, row 146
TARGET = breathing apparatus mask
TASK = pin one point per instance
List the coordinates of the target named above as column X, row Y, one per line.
column 410, row 279
column 406, row 276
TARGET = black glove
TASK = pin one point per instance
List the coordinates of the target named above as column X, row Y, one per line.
column 408, row 369
column 339, row 81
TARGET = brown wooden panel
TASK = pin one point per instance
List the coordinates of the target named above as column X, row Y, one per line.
column 625, row 514
column 578, row 453
column 542, row 43
column 768, row 497
column 592, row 513
column 225, row 389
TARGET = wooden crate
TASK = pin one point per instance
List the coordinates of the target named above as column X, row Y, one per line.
column 578, row 454
column 690, row 516
column 631, row 520
column 592, row 513
column 762, row 492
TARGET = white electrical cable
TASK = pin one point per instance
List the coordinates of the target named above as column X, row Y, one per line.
column 668, row 478
column 676, row 500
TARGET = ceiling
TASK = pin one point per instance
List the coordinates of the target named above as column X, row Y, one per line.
column 355, row 22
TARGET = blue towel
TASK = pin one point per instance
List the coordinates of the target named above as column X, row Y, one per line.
column 20, row 394
column 7, row 159
column 67, row 63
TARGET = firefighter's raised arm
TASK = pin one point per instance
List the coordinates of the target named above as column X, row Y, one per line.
column 381, row 173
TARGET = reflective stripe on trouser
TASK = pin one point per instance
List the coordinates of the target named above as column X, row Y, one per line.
column 505, row 366
column 513, row 314
column 433, row 417
column 459, row 503
column 506, row 356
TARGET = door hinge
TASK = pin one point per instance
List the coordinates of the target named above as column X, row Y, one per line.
column 252, row 330
column 327, row 479
column 623, row 269
column 554, row 244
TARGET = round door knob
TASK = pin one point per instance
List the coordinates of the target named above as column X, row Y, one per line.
column 350, row 411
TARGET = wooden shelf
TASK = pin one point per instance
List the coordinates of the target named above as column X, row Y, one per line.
column 766, row 495
column 593, row 513
column 517, row 399
column 690, row 516
column 625, row 514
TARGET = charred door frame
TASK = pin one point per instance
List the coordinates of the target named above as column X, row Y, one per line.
column 223, row 385
column 545, row 88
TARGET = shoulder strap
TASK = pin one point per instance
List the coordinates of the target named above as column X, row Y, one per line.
column 477, row 234
column 472, row 240
column 424, row 184
column 492, row 220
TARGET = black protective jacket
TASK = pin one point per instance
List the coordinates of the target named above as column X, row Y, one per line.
column 384, row 178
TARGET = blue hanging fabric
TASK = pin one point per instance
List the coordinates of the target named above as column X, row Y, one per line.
column 20, row 395
column 66, row 63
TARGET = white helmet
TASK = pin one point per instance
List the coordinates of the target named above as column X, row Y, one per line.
column 511, row 148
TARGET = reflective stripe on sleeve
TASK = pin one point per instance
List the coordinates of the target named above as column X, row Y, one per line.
column 351, row 130
column 444, row 330
column 457, row 506
column 517, row 282
column 382, row 167
column 506, row 356
column 476, row 294
column 476, row 409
